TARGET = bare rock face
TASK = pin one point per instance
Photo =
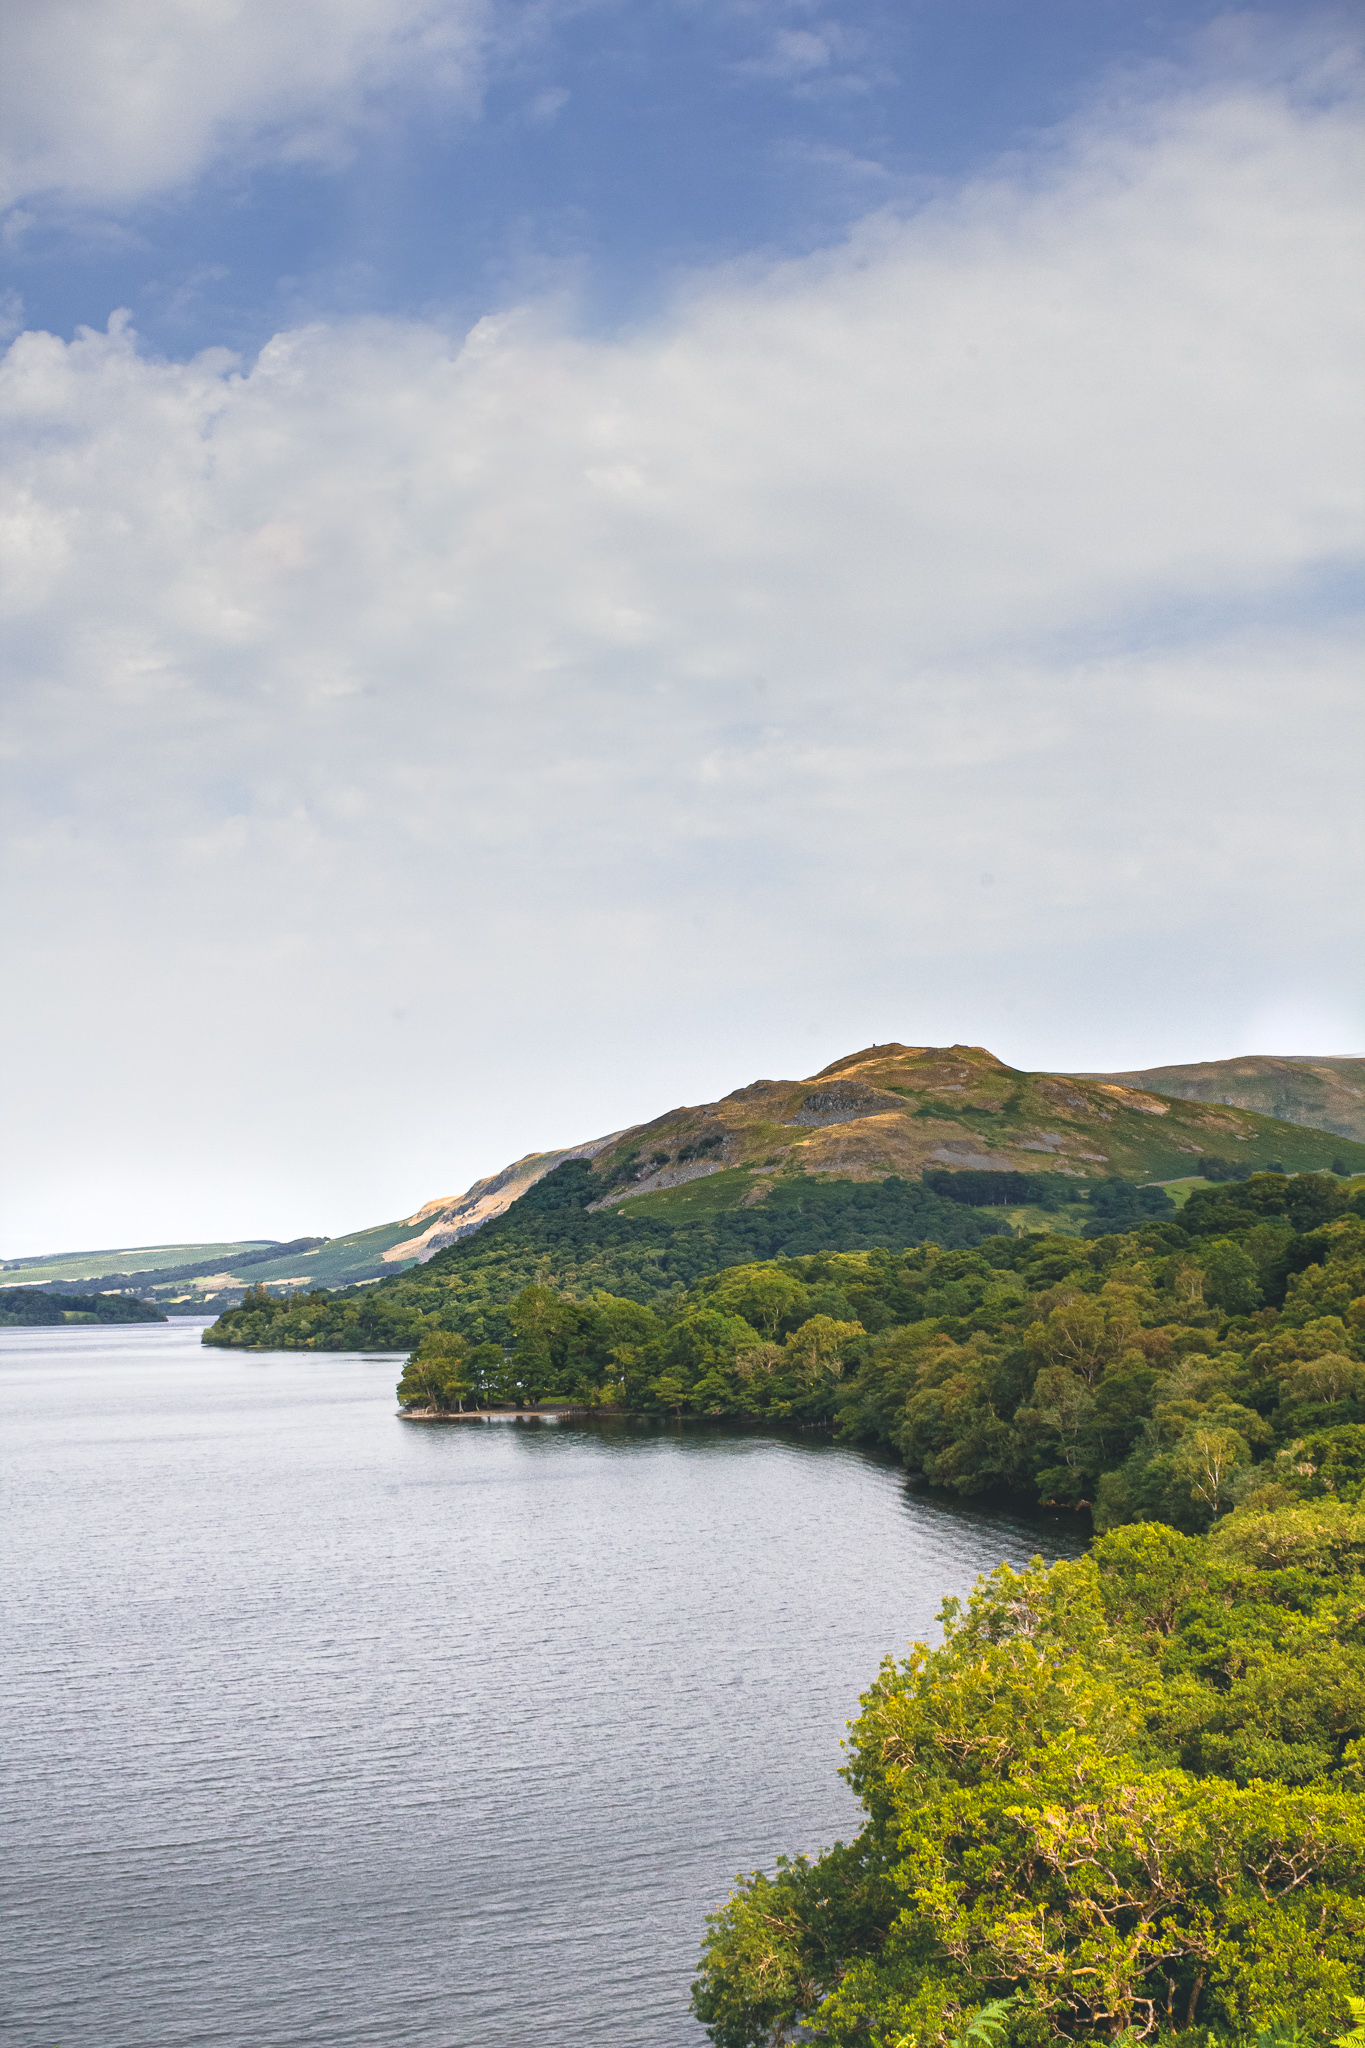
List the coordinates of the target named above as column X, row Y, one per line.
column 654, row 1183
column 962, row 1155
column 845, row 1102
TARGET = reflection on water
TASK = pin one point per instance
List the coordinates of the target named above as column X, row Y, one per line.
column 325, row 1728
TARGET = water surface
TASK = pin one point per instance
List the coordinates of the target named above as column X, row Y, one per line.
column 327, row 1728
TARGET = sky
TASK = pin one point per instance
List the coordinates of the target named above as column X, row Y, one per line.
column 560, row 556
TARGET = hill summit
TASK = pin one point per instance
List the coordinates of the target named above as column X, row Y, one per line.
column 892, row 1110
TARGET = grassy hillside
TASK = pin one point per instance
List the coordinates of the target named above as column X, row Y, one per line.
column 896, row 1109
column 60, row 1267
column 337, row 1261
column 194, row 1277
column 1325, row 1094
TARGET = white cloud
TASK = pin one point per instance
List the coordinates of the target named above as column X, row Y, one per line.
column 109, row 101
column 917, row 640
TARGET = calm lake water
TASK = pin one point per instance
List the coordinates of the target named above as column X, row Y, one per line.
column 322, row 1727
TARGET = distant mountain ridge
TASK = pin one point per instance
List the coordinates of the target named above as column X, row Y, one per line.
column 888, row 1110
column 1323, row 1094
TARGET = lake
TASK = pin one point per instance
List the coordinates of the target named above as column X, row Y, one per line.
column 324, row 1727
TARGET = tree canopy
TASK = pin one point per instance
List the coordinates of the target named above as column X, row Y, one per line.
column 33, row 1306
column 1120, row 1800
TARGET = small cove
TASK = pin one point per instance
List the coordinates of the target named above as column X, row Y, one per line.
column 326, row 1729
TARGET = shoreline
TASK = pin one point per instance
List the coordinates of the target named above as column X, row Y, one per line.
column 497, row 1414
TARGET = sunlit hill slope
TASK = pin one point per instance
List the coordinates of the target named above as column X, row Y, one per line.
column 905, row 1109
column 1325, row 1094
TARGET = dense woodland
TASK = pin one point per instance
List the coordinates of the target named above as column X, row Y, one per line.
column 552, row 1238
column 1153, row 1371
column 1120, row 1802
column 34, row 1306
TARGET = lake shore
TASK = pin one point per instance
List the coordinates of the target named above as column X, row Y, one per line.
column 498, row 1414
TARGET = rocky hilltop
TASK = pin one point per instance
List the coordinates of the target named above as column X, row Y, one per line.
column 905, row 1109
column 1324, row 1094
column 891, row 1109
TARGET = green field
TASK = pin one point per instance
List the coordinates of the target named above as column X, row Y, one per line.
column 187, row 1277
column 120, row 1259
column 338, row 1263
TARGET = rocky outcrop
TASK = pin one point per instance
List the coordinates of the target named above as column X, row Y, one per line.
column 844, row 1102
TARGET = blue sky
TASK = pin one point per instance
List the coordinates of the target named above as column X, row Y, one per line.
column 600, row 149
column 645, row 545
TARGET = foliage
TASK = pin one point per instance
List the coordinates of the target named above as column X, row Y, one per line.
column 1117, row 1202
column 985, row 1189
column 1157, row 1374
column 34, row 1306
column 1120, row 1800
column 1164, row 1372
column 1356, row 2036
column 551, row 1238
column 436, row 1377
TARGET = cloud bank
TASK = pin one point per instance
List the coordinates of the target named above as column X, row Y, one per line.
column 110, row 101
column 936, row 637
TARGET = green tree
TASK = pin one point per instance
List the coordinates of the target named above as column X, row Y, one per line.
column 1312, row 1199
column 1232, row 1282
column 669, row 1391
column 820, row 1349
column 764, row 1295
column 436, row 1375
column 1208, row 1460
column 1077, row 1803
column 489, row 1378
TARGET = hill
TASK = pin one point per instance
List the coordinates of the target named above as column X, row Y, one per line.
column 56, row 1268
column 892, row 1147
column 897, row 1109
column 193, row 1277
column 1324, row 1094
column 451, row 1217
column 888, row 1110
